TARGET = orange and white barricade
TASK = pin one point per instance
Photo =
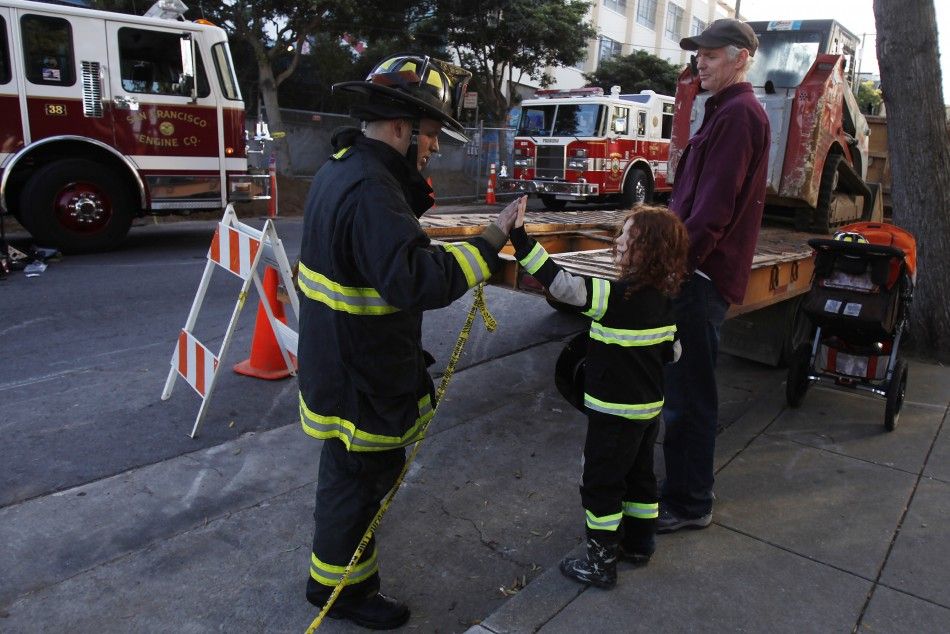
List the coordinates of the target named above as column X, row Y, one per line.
column 240, row 249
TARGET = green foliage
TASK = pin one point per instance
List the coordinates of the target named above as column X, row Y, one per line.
column 635, row 72
column 869, row 97
column 502, row 41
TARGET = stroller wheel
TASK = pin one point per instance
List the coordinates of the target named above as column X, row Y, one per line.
column 796, row 383
column 895, row 395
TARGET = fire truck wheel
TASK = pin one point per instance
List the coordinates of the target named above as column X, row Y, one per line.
column 637, row 189
column 77, row 205
column 821, row 218
column 553, row 204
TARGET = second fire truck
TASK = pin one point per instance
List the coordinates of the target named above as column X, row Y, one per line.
column 584, row 146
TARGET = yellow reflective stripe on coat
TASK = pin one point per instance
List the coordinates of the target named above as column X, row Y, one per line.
column 600, row 293
column 471, row 262
column 339, row 153
column 633, row 411
column 323, row 427
column 330, row 575
column 535, row 259
column 641, row 510
column 630, row 338
column 605, row 523
column 348, row 299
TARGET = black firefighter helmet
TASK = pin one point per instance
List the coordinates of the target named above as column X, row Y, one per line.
column 412, row 86
column 569, row 371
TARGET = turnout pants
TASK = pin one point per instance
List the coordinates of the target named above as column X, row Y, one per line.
column 350, row 487
column 619, row 491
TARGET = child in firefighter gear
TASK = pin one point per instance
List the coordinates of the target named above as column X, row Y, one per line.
column 632, row 335
column 367, row 272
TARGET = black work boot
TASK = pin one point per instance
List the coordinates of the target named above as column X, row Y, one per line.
column 598, row 568
column 376, row 612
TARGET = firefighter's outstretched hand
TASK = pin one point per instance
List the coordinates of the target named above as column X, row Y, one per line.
column 512, row 215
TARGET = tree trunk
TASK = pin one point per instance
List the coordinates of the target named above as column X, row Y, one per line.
column 919, row 154
column 268, row 88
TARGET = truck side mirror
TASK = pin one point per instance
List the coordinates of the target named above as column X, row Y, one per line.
column 186, row 84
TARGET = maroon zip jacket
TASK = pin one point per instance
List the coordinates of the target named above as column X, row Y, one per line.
column 719, row 189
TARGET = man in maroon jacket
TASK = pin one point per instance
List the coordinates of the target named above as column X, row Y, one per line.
column 719, row 193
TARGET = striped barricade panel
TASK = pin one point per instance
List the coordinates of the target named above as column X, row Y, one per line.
column 234, row 250
column 196, row 364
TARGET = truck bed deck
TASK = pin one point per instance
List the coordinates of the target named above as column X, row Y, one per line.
column 580, row 241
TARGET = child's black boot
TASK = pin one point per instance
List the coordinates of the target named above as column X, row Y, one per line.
column 598, row 568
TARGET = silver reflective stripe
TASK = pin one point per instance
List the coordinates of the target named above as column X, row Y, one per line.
column 605, row 523
column 470, row 261
column 633, row 411
column 535, row 259
column 323, row 427
column 349, row 299
column 630, row 338
column 330, row 575
column 600, row 293
column 641, row 510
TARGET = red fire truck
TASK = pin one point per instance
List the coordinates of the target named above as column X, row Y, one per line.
column 583, row 146
column 106, row 116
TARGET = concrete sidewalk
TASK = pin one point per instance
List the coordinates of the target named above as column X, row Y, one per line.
column 824, row 522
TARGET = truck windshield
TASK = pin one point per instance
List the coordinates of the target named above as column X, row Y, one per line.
column 784, row 57
column 561, row 120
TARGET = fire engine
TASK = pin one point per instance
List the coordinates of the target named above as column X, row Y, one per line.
column 583, row 146
column 802, row 74
column 107, row 116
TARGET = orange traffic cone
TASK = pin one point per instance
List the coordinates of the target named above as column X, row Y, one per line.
column 266, row 361
column 490, row 194
column 432, row 194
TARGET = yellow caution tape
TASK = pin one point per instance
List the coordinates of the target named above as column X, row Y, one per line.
column 478, row 306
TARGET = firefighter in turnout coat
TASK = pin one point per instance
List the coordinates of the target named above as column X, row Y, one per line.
column 367, row 272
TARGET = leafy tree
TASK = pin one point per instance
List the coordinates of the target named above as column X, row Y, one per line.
column 869, row 97
column 501, row 41
column 919, row 153
column 635, row 72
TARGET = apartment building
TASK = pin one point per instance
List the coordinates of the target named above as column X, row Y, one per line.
column 656, row 26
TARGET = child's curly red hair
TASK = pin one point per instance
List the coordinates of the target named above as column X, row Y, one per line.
column 657, row 246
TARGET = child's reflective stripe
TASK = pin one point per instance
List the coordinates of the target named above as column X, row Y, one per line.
column 535, row 259
column 640, row 510
column 629, row 338
column 605, row 523
column 633, row 411
column 600, row 293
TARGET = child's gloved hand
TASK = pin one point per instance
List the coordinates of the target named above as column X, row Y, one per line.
column 510, row 214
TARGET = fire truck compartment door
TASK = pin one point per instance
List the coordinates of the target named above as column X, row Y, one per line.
column 173, row 137
column 12, row 130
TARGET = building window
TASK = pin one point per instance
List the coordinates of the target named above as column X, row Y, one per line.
column 646, row 13
column 620, row 6
column 698, row 27
column 608, row 48
column 674, row 22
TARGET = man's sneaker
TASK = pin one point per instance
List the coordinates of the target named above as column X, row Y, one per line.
column 598, row 568
column 669, row 521
column 376, row 612
column 633, row 557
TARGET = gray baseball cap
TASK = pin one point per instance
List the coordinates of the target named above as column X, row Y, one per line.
column 723, row 33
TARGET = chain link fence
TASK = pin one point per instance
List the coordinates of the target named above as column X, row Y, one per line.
column 459, row 172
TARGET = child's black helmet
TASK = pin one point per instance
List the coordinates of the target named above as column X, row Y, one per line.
column 412, row 86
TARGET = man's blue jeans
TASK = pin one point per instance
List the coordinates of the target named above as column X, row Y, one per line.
column 691, row 408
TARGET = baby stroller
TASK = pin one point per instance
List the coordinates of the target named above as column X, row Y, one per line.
column 858, row 302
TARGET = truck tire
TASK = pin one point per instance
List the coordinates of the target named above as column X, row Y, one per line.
column 553, row 204
column 77, row 205
column 821, row 218
column 637, row 189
